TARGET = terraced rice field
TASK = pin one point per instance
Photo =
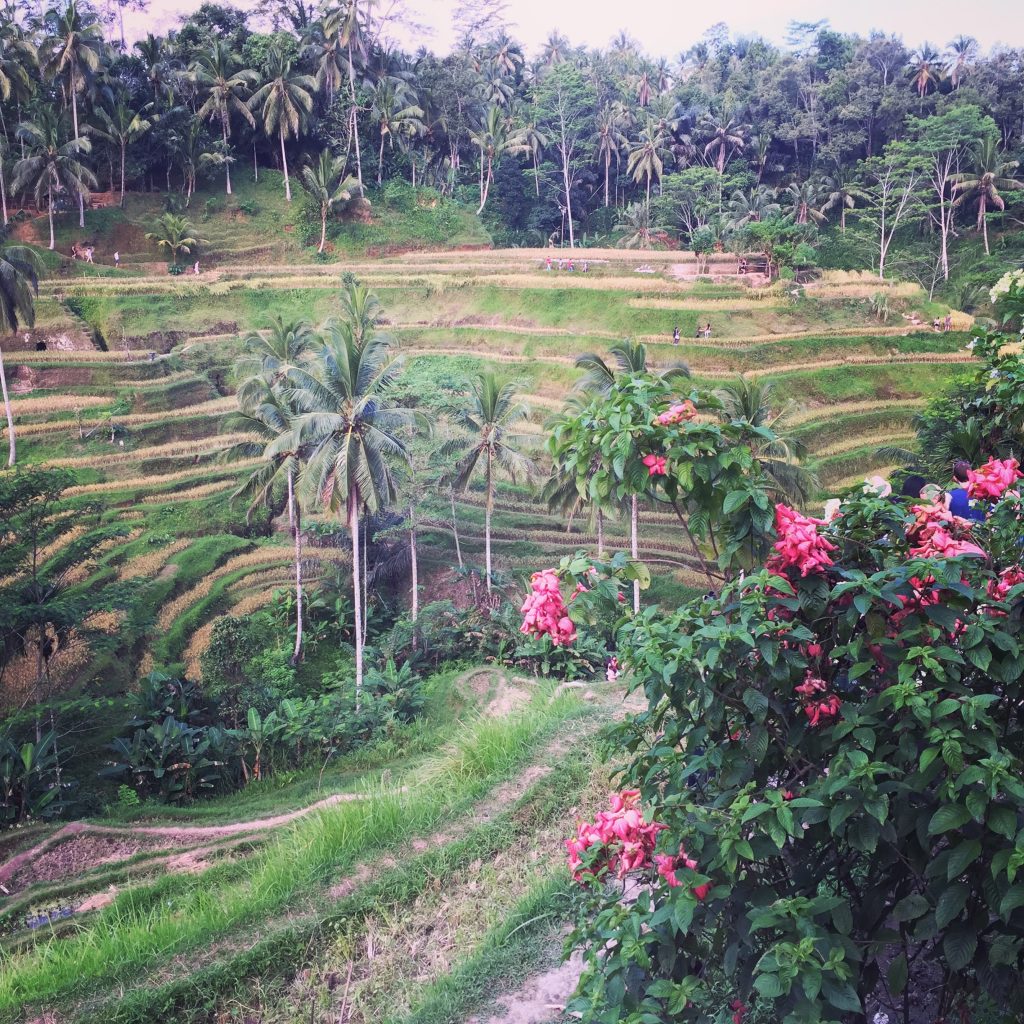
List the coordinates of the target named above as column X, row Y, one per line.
column 139, row 425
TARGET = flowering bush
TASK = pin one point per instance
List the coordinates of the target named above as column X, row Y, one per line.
column 544, row 611
column 996, row 476
column 838, row 744
column 680, row 412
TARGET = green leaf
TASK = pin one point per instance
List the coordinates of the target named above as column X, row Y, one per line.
column 756, row 702
column 963, row 855
column 842, row 918
column 910, row 907
column 1002, row 820
column 768, row 985
column 980, row 657
column 951, row 904
column 897, row 974
column 947, row 818
column 959, row 946
column 1013, row 899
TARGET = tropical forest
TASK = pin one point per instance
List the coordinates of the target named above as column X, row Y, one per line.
column 509, row 532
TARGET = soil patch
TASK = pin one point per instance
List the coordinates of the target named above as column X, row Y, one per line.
column 540, row 998
column 76, row 855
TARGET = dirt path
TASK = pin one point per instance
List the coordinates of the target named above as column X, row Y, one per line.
column 172, row 835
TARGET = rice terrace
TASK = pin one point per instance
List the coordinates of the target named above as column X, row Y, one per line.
column 500, row 527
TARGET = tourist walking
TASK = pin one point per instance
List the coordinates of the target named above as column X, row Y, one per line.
column 117, row 260
column 675, row 336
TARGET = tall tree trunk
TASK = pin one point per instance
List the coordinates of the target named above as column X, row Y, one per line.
column 982, row 221
column 357, row 594
column 600, row 533
column 8, row 412
column 568, row 201
column 634, row 547
column 842, row 218
column 607, row 168
column 74, row 115
column 123, row 148
column 455, row 528
column 255, row 166
column 3, row 189
column 291, row 501
column 297, row 532
column 49, row 213
column 415, row 569
column 355, row 116
column 536, row 177
column 380, row 160
column 227, row 160
column 284, row 164
column 323, row 229
column 487, row 523
column 483, row 195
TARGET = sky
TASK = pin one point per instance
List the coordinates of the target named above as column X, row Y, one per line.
column 668, row 27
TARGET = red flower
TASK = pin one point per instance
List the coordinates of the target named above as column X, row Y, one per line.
column 669, row 863
column 1008, row 579
column 544, row 611
column 995, row 477
column 738, row 1010
column 623, row 841
column 678, row 413
column 656, row 465
column 799, row 546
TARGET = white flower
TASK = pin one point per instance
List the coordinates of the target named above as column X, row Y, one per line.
column 831, row 509
column 877, row 485
column 972, row 344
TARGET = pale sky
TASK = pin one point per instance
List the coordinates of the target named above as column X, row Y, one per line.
column 667, row 27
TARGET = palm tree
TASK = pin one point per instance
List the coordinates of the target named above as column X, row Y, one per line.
column 727, row 136
column 506, row 55
column 17, row 58
column 175, row 234
column 51, row 165
column 323, row 49
column 752, row 206
column 647, row 154
column 749, row 405
column 493, row 411
column 346, row 22
column 225, row 86
column 804, row 197
column 285, row 100
column 534, row 141
column 599, row 377
column 992, row 172
column 322, row 180
column 349, row 430
column 494, row 139
column 268, row 416
column 925, row 70
column 72, row 50
column 959, row 54
column 637, row 227
column 269, row 354
column 556, row 48
column 839, row 191
column 610, row 141
column 395, row 113
column 19, row 285
column 120, row 126
column 643, row 88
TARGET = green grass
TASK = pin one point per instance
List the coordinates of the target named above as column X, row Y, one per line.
column 141, row 928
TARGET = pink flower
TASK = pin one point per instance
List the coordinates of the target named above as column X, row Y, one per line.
column 1008, row 579
column 678, row 413
column 655, row 464
column 931, row 534
column 701, row 891
column 544, row 611
column 799, row 546
column 669, row 863
column 996, row 476
column 738, row 1011
column 621, row 840
column 819, row 713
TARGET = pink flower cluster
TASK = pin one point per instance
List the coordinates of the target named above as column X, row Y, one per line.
column 932, row 537
column 799, row 546
column 1008, row 579
column 922, row 594
column 657, row 465
column 817, row 707
column 678, row 413
column 738, row 1011
column 995, row 477
column 620, row 837
column 669, row 863
column 544, row 611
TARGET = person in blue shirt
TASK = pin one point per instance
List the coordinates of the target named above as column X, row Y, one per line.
column 959, row 502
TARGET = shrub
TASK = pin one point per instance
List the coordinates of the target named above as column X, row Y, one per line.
column 832, row 753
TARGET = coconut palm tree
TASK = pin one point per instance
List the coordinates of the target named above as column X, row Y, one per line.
column 395, row 112
column 959, row 55
column 752, row 206
column 284, row 101
column 175, row 234
column 599, row 377
column 637, row 226
column 346, row 22
column 350, row 430
column 727, row 135
column 555, row 50
column 120, row 125
column 51, row 166
column 323, row 50
column 19, row 285
column 270, row 353
column 647, row 155
column 839, row 191
column 17, row 58
column 322, row 180
column 534, row 141
column 992, row 172
column 491, row 445
column 267, row 414
column 73, row 51
column 643, row 88
column 506, row 55
column 610, row 141
column 803, row 198
column 494, row 138
column 925, row 70
column 753, row 406
column 225, row 86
